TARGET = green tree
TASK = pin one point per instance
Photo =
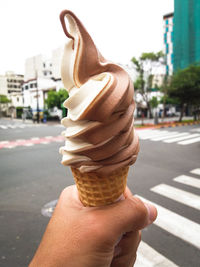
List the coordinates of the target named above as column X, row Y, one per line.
column 4, row 99
column 185, row 87
column 56, row 99
column 145, row 66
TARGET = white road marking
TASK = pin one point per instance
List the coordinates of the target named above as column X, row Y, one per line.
column 10, row 146
column 195, row 130
column 177, row 225
column 178, row 195
column 149, row 257
column 188, row 180
column 11, row 126
column 20, row 140
column 48, row 137
column 172, row 140
column 45, row 143
column 191, row 141
column 196, row 171
column 4, row 142
column 35, row 138
column 28, row 144
column 3, row 127
column 151, row 135
column 171, row 135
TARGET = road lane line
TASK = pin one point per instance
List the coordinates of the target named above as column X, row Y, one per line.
column 177, row 225
column 191, row 141
column 172, row 140
column 147, row 256
column 178, row 195
column 196, row 171
column 172, row 135
column 35, row 138
column 188, row 180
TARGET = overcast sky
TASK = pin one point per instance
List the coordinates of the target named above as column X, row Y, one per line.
column 121, row 29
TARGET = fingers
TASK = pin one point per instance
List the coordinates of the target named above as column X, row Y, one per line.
column 129, row 215
column 125, row 252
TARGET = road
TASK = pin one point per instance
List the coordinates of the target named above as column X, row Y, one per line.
column 166, row 173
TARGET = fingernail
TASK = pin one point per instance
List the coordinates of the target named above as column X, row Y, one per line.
column 152, row 212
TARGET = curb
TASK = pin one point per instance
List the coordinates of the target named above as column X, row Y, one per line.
column 170, row 125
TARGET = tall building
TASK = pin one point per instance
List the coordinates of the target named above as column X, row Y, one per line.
column 168, row 42
column 186, row 33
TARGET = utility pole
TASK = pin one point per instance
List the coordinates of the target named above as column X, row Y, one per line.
column 37, row 92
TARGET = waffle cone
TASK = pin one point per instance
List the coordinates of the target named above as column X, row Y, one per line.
column 99, row 190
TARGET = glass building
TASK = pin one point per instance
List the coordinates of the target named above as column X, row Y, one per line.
column 186, row 41
column 168, row 42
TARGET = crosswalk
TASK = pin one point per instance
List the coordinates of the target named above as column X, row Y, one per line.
column 180, row 138
column 19, row 126
column 174, row 224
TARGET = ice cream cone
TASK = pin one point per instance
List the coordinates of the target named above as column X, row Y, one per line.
column 99, row 190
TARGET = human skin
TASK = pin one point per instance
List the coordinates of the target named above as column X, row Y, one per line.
column 79, row 236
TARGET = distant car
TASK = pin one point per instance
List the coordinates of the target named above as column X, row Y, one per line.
column 55, row 113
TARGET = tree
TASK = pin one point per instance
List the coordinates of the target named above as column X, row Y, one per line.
column 185, row 87
column 56, row 99
column 4, row 99
column 145, row 66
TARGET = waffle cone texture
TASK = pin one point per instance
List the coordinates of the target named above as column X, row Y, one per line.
column 97, row 190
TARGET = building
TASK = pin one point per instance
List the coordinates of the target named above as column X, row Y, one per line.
column 11, row 86
column 168, row 42
column 186, row 33
column 41, row 75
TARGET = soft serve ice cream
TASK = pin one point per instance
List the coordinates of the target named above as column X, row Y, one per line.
column 99, row 135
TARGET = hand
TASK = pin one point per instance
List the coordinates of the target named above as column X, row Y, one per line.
column 79, row 236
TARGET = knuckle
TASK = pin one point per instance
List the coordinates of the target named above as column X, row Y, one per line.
column 141, row 212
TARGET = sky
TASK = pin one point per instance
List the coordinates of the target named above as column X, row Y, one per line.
column 120, row 29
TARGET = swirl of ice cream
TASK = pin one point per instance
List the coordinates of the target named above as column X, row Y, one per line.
column 99, row 132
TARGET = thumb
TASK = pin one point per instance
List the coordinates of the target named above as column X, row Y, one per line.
column 130, row 214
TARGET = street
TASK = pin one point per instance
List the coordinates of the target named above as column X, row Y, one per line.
column 167, row 173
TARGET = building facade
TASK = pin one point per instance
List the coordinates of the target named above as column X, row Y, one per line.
column 11, row 87
column 41, row 75
column 168, row 42
column 186, row 33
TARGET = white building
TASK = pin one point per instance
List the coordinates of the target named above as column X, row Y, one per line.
column 11, row 87
column 41, row 75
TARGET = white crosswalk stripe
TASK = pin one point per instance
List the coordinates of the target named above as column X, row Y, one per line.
column 173, row 223
column 176, row 139
column 147, row 256
column 191, row 141
column 181, row 138
column 21, row 126
column 177, row 225
column 188, row 180
column 196, row 171
column 178, row 195
column 171, row 135
column 195, row 130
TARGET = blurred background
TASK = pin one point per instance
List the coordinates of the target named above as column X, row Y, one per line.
column 158, row 44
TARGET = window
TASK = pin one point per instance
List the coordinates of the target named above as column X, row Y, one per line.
column 44, row 65
column 17, row 99
column 166, row 21
column 45, row 73
column 26, row 87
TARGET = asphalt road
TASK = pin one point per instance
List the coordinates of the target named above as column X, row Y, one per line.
column 31, row 176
